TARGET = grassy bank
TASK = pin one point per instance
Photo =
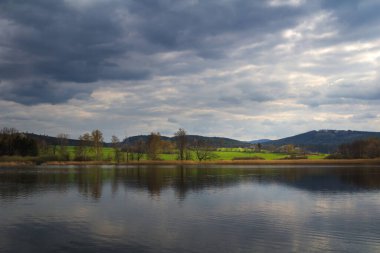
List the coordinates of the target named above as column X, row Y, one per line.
column 220, row 155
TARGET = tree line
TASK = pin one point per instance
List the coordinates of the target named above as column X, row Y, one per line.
column 14, row 143
column 154, row 145
column 359, row 149
column 90, row 147
column 150, row 148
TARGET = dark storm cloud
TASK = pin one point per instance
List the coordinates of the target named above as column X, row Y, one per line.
column 189, row 24
column 40, row 91
column 57, row 42
column 162, row 64
column 60, row 44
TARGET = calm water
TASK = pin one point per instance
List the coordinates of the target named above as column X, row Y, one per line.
column 190, row 209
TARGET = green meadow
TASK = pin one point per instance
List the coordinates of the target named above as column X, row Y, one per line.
column 219, row 155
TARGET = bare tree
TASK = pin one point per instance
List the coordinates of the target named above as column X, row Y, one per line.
column 82, row 149
column 138, row 150
column 203, row 151
column 97, row 141
column 181, row 142
column 127, row 149
column 289, row 149
column 7, row 137
column 43, row 147
column 14, row 143
column 153, row 146
column 86, row 138
column 258, row 147
column 63, row 142
column 116, row 148
column 367, row 148
column 167, row 147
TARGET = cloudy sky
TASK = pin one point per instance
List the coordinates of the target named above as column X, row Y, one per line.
column 242, row 69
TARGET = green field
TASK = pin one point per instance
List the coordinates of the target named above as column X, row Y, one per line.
column 317, row 156
column 108, row 153
column 220, row 154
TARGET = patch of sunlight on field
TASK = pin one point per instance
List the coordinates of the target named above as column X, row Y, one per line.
column 229, row 155
column 221, row 154
column 316, row 157
column 168, row 157
column 108, row 153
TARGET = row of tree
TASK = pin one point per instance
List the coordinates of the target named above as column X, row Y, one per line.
column 90, row 147
column 14, row 143
column 90, row 142
column 369, row 148
column 154, row 146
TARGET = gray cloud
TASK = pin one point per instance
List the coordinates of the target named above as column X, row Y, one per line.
column 361, row 91
column 213, row 67
column 41, row 91
column 59, row 43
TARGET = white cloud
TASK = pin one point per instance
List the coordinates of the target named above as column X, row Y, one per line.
column 277, row 3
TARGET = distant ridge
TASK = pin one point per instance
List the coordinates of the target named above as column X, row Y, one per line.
column 325, row 141
column 50, row 140
column 220, row 142
column 260, row 141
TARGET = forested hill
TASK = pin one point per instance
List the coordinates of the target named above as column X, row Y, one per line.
column 325, row 141
column 219, row 142
column 50, row 140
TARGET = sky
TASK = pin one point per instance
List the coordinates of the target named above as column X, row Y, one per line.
column 243, row 69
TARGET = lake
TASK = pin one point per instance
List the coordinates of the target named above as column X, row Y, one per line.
column 190, row 209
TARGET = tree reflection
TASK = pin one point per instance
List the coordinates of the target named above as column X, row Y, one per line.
column 90, row 181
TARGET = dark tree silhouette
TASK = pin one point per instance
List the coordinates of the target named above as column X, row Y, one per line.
column 14, row 143
column 153, row 146
column 181, row 142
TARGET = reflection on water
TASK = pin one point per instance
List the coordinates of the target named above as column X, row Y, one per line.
column 190, row 209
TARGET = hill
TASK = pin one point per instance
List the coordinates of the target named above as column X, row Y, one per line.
column 50, row 140
column 259, row 141
column 325, row 141
column 219, row 142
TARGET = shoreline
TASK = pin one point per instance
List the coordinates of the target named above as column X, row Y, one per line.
column 220, row 162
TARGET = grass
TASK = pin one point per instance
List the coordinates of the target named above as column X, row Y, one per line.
column 107, row 152
column 317, row 156
column 221, row 154
column 229, row 155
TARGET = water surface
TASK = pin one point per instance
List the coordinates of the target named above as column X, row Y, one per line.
column 190, row 209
